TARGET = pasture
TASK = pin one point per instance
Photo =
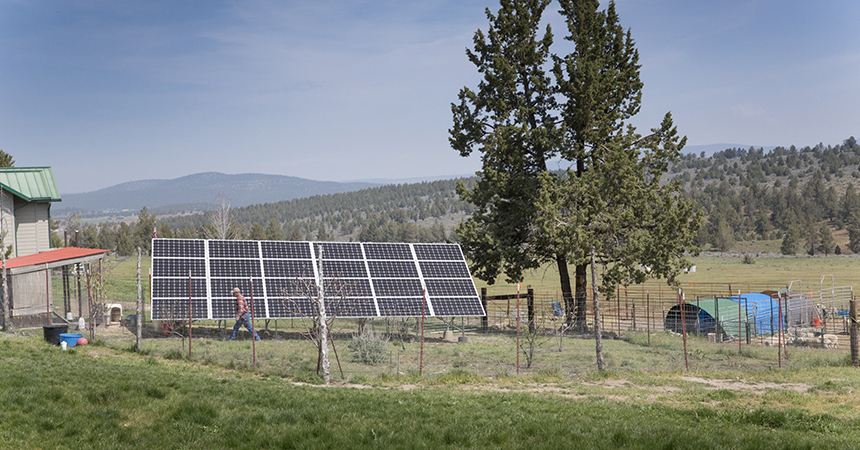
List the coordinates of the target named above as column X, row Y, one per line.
column 453, row 395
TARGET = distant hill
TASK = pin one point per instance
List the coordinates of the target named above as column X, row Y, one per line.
column 199, row 192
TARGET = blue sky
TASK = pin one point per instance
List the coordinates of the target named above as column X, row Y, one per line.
column 107, row 92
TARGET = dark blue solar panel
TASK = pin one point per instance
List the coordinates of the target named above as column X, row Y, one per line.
column 343, row 288
column 457, row 306
column 438, row 252
column 358, row 278
column 177, row 310
column 234, row 268
column 278, row 268
column 392, row 269
column 398, row 288
column 162, row 248
column 338, row 250
column 401, row 307
column 296, row 287
column 286, row 250
column 452, row 269
column 223, row 287
column 179, row 268
column 291, row 308
column 387, row 251
column 178, row 287
column 351, row 307
column 344, row 269
column 234, row 249
column 450, row 288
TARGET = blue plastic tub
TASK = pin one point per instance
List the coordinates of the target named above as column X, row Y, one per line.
column 71, row 339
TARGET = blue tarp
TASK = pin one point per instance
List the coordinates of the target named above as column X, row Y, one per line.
column 762, row 310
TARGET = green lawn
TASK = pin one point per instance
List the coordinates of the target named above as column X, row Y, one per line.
column 96, row 397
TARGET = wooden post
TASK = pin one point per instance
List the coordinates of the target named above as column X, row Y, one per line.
column 485, row 321
column 855, row 348
column 90, row 301
column 530, row 304
column 779, row 326
column 739, row 322
column 684, row 328
column 648, row 314
column 517, row 318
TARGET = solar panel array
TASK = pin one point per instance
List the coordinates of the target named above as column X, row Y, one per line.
column 358, row 279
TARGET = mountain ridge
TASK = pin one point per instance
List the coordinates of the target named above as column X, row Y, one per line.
column 201, row 189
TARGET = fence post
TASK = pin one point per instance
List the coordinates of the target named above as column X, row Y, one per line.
column 485, row 325
column 530, row 304
column 855, row 349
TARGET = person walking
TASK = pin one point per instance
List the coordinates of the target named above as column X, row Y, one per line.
column 243, row 315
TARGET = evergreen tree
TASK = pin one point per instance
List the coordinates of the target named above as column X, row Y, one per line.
column 850, row 205
column 143, row 230
column 812, row 235
column 723, row 237
column 125, row 240
column 854, row 236
column 296, row 234
column 510, row 120
column 790, row 241
column 258, row 233
column 274, row 231
column 826, row 243
column 6, row 160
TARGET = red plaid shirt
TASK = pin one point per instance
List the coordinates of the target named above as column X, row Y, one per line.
column 241, row 305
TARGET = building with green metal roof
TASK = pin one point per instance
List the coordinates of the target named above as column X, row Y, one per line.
column 25, row 208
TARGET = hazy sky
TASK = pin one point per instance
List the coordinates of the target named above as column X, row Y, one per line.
column 109, row 91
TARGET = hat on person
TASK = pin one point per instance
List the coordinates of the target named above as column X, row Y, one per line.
column 235, row 290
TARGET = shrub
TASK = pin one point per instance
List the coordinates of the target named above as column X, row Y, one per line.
column 749, row 259
column 369, row 347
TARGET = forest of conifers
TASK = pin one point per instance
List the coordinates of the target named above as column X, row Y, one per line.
column 799, row 197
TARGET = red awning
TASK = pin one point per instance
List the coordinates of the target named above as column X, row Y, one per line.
column 55, row 258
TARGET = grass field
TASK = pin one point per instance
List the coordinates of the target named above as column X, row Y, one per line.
column 468, row 395
column 845, row 270
column 103, row 397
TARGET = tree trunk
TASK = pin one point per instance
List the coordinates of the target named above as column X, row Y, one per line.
column 601, row 364
column 580, row 310
column 564, row 276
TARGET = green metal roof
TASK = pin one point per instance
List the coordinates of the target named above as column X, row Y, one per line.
column 33, row 184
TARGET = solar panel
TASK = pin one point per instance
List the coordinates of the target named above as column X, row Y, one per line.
column 358, row 279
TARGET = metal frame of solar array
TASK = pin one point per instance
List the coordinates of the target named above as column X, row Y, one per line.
column 359, row 279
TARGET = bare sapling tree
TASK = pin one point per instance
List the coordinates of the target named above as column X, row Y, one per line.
column 317, row 305
column 220, row 221
column 533, row 337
